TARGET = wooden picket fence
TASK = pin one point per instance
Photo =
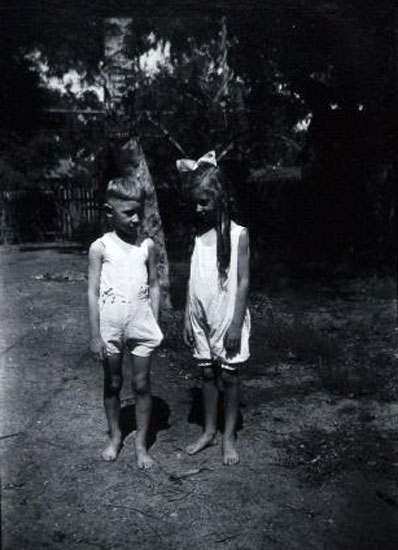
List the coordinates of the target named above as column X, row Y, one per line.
column 77, row 206
column 55, row 213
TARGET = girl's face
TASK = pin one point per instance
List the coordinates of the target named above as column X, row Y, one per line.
column 205, row 208
column 126, row 217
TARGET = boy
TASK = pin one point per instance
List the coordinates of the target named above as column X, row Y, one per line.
column 123, row 298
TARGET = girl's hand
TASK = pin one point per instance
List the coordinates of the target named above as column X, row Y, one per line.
column 187, row 334
column 98, row 348
column 232, row 341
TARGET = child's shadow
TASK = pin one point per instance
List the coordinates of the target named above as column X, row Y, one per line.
column 196, row 413
column 159, row 419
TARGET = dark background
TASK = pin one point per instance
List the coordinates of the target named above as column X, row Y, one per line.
column 318, row 202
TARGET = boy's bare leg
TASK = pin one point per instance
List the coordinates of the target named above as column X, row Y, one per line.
column 231, row 402
column 143, row 408
column 113, row 380
column 210, row 399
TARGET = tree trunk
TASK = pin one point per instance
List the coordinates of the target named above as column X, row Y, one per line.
column 134, row 165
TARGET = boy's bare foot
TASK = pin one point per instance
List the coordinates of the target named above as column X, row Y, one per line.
column 230, row 454
column 144, row 461
column 111, row 451
column 205, row 440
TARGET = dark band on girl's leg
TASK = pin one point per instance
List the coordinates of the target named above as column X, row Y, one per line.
column 219, row 366
column 231, row 367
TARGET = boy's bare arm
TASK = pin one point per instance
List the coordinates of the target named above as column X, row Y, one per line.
column 95, row 256
column 153, row 280
column 233, row 335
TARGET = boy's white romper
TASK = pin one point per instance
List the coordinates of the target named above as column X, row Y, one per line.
column 212, row 306
column 126, row 317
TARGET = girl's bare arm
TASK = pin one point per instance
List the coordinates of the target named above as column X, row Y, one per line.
column 242, row 295
column 233, row 335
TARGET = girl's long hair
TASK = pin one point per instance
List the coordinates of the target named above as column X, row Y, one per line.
column 212, row 180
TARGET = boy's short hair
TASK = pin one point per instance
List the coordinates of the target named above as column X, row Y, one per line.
column 124, row 189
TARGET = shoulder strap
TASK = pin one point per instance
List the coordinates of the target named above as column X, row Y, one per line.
column 105, row 239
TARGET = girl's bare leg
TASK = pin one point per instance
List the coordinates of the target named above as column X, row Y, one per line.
column 210, row 399
column 231, row 402
column 142, row 390
column 113, row 380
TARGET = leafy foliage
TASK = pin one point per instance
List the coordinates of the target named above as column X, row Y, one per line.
column 242, row 74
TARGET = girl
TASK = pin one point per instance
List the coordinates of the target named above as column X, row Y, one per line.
column 217, row 321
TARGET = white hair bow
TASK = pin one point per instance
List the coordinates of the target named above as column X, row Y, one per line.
column 187, row 165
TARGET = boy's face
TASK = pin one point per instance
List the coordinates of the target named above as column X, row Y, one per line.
column 125, row 216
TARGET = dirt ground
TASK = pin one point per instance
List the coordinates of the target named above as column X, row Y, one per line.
column 318, row 433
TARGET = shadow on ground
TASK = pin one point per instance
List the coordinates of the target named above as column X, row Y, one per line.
column 159, row 419
column 196, row 415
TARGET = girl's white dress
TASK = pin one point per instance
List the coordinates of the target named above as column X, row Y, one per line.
column 212, row 305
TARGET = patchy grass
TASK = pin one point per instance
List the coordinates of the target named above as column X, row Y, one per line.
column 383, row 288
column 356, row 360
column 299, row 339
column 365, row 364
column 293, row 338
column 360, row 372
column 319, row 456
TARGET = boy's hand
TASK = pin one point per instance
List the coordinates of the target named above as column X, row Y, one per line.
column 187, row 334
column 232, row 341
column 98, row 348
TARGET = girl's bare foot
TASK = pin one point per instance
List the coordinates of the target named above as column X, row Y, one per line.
column 230, row 454
column 144, row 461
column 205, row 440
column 111, row 451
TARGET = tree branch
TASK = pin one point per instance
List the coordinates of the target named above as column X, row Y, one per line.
column 229, row 148
column 165, row 132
